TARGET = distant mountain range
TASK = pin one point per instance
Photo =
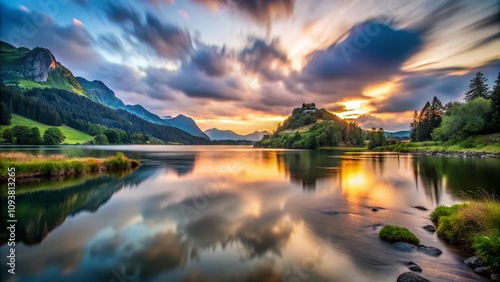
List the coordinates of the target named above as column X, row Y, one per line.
column 217, row 134
column 398, row 134
column 38, row 68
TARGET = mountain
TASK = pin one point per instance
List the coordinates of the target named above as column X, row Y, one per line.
column 187, row 124
column 141, row 112
column 398, row 134
column 217, row 134
column 311, row 128
column 181, row 122
column 101, row 92
column 107, row 97
column 38, row 68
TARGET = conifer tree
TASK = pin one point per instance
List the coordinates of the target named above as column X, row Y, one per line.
column 414, row 127
column 477, row 88
column 495, row 105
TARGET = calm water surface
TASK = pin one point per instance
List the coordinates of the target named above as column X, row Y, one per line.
column 226, row 213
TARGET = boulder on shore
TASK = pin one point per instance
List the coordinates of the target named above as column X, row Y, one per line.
column 411, row 277
column 483, row 270
column 474, row 262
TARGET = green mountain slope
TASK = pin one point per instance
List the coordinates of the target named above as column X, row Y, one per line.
column 101, row 92
column 187, row 124
column 311, row 128
column 107, row 97
column 73, row 136
column 80, row 113
column 36, row 68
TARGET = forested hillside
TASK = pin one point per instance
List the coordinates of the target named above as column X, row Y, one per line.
column 58, row 107
column 311, row 128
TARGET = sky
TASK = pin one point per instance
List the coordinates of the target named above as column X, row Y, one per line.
column 244, row 65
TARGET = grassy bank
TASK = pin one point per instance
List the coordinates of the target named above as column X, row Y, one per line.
column 73, row 136
column 30, row 166
column 484, row 143
column 474, row 227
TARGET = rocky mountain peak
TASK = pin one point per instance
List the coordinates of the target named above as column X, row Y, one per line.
column 38, row 64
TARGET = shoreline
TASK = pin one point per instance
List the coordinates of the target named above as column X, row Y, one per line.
column 30, row 166
column 465, row 154
column 430, row 152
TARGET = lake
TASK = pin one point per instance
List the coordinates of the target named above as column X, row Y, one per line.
column 231, row 213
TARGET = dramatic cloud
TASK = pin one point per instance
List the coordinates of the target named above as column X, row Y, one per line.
column 111, row 42
column 167, row 40
column 197, row 84
column 263, row 59
column 437, row 13
column 261, row 11
column 419, row 88
column 211, row 60
column 371, row 51
column 370, row 121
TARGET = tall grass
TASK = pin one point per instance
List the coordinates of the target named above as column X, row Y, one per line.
column 474, row 227
column 29, row 165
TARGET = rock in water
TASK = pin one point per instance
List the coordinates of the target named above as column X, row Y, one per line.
column 430, row 228
column 483, row 270
column 411, row 277
column 406, row 247
column 414, row 267
column 374, row 209
column 421, row 208
column 474, row 262
column 495, row 277
column 431, row 251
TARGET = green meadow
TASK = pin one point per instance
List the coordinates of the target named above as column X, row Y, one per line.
column 73, row 136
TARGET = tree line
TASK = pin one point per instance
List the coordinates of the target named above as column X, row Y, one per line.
column 24, row 135
column 376, row 138
column 478, row 114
